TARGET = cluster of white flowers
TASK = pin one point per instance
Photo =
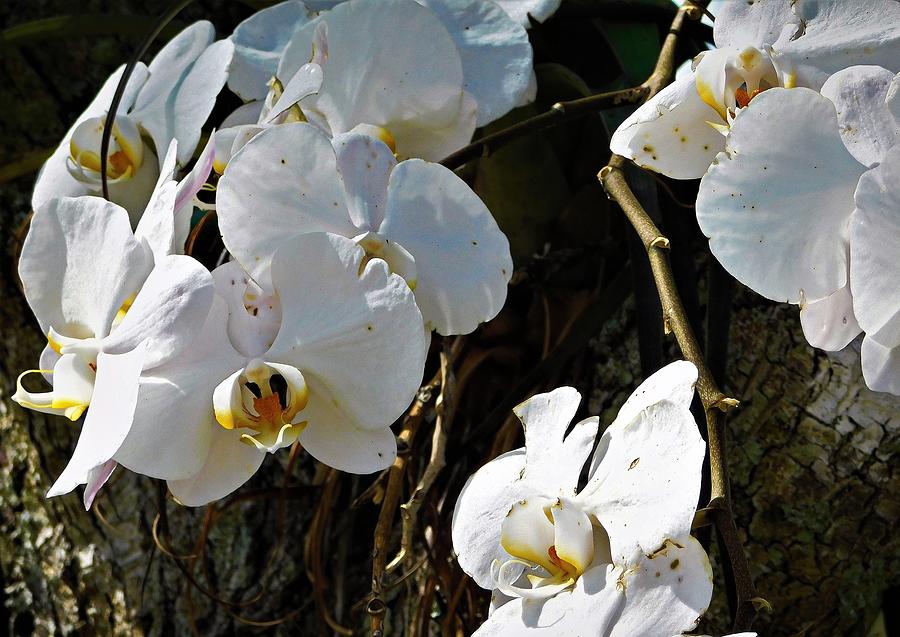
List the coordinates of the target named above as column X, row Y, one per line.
column 347, row 245
column 793, row 123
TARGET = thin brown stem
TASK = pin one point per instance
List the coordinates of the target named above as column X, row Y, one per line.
column 559, row 113
column 715, row 403
column 446, row 410
column 376, row 607
column 675, row 320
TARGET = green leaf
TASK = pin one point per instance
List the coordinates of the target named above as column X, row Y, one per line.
column 636, row 45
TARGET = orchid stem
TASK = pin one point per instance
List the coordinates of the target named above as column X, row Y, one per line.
column 445, row 406
column 376, row 607
column 675, row 320
column 559, row 113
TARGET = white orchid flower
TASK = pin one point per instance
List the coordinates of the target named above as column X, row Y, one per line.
column 111, row 312
column 616, row 557
column 419, row 217
column 168, row 100
column 309, row 361
column 761, row 45
column 492, row 49
column 833, row 254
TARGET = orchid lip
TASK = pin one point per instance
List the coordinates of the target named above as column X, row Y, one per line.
column 125, row 157
column 263, row 399
column 551, row 544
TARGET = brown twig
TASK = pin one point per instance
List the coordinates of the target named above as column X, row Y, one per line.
column 376, row 607
column 446, row 409
column 559, row 113
column 675, row 320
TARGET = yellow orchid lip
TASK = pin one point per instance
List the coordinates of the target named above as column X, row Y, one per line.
column 553, row 540
column 48, row 402
column 264, row 399
column 126, row 152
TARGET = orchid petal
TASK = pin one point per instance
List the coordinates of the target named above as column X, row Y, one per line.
column 96, row 478
column 73, row 385
column 666, row 594
column 866, row 124
column 350, row 327
column 259, row 42
column 229, row 141
column 157, row 223
column 830, row 323
column 174, row 408
column 784, row 236
column 185, row 78
column 670, row 134
column 495, row 53
column 740, row 24
column 814, row 38
column 483, row 503
column 188, row 187
column 331, row 438
column 254, row 315
column 229, row 464
column 54, row 179
column 874, row 236
column 306, row 81
column 67, row 286
column 173, row 301
column 108, row 419
column 527, row 533
column 462, row 258
column 674, row 382
column 645, row 487
column 365, row 165
column 249, row 113
column 552, row 461
column 590, row 608
column 48, row 360
column 428, row 140
column 134, row 194
column 881, row 366
column 312, row 199
column 892, row 99
column 835, row 34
